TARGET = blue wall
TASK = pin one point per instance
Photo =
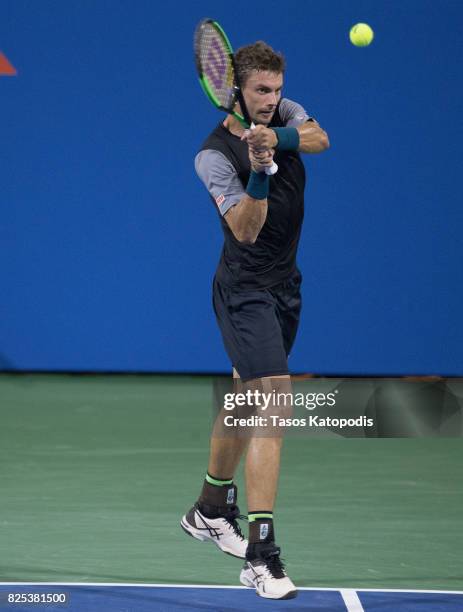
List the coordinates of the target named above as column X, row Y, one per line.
column 109, row 241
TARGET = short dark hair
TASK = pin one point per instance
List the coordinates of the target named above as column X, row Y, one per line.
column 258, row 56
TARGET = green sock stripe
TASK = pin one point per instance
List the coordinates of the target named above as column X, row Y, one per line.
column 262, row 515
column 218, row 483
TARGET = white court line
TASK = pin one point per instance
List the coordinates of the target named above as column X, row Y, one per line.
column 351, row 600
column 217, row 586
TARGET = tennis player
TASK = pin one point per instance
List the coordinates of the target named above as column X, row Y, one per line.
column 257, row 302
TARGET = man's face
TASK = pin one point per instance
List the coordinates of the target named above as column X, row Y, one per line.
column 262, row 92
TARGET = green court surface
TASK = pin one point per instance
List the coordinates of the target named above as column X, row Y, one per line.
column 96, row 471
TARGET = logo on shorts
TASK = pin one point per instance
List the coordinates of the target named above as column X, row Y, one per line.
column 263, row 531
column 231, row 496
column 220, row 199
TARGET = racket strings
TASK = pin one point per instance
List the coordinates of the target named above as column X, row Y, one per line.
column 215, row 64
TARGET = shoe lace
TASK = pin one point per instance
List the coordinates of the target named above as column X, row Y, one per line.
column 232, row 515
column 274, row 564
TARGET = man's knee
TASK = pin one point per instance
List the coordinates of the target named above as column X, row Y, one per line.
column 271, row 395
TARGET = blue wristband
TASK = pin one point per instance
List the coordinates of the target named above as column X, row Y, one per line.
column 288, row 138
column 258, row 185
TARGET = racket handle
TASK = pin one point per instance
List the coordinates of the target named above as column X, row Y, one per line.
column 270, row 170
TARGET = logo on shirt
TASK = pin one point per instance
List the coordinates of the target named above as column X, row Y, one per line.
column 220, row 199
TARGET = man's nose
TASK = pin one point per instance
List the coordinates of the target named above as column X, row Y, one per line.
column 272, row 98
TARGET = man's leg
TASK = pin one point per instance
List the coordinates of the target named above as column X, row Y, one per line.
column 263, row 456
column 263, row 568
column 214, row 516
column 227, row 446
column 264, row 443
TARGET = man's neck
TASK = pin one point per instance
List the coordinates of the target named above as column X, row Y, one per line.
column 233, row 125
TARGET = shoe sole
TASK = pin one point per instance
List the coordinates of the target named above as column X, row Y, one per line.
column 197, row 536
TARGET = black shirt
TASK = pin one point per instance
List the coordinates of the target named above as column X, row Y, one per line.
column 272, row 258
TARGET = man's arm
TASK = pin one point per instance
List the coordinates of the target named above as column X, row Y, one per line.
column 245, row 211
column 312, row 138
column 246, row 218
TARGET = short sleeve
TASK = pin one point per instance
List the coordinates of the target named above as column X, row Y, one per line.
column 220, row 178
column 293, row 114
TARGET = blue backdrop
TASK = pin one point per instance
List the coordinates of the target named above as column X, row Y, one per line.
column 109, row 241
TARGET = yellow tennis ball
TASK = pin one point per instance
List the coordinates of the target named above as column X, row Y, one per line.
column 361, row 35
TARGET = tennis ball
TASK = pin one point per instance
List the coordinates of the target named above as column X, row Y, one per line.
column 361, row 35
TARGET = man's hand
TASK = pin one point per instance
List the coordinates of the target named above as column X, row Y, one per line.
column 260, row 159
column 260, row 138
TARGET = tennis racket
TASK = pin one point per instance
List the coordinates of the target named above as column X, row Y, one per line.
column 217, row 73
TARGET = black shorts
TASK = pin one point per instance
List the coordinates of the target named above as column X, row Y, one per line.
column 259, row 326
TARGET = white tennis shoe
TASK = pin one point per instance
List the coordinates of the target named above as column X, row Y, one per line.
column 224, row 531
column 268, row 576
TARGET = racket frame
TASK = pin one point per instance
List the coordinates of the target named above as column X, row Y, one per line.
column 244, row 119
column 237, row 94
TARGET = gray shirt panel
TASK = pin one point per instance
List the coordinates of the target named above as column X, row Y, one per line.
column 220, row 178
column 292, row 113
